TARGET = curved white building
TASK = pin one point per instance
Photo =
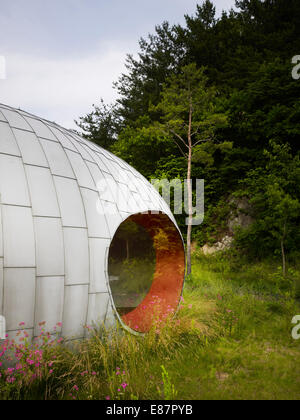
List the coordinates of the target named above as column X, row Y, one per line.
column 62, row 200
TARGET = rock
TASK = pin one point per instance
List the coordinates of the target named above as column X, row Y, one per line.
column 240, row 217
column 224, row 244
column 208, row 250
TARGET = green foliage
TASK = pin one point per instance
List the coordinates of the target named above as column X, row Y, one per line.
column 267, row 108
column 101, row 125
column 134, row 143
column 169, row 392
column 247, row 56
column 188, row 108
column 215, row 223
column 230, row 339
column 273, row 191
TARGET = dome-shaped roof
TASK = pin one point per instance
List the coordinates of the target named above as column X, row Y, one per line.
column 62, row 199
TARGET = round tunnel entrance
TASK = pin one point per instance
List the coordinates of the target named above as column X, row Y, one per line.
column 146, row 265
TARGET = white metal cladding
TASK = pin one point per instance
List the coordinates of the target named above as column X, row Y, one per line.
column 62, row 199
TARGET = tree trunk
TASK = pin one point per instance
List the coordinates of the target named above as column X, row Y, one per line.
column 190, row 197
column 189, row 229
column 283, row 251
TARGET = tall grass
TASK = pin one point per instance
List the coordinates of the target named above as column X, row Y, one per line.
column 231, row 338
column 110, row 364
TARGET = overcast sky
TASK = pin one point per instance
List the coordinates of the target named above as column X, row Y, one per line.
column 63, row 55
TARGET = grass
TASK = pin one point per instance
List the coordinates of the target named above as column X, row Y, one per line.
column 231, row 339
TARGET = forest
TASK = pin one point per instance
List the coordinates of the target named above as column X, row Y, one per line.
column 244, row 72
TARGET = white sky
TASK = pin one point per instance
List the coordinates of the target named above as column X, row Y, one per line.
column 63, row 55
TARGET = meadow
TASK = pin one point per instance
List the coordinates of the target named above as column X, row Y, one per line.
column 230, row 339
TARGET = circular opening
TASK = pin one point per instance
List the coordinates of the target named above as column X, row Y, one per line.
column 146, row 269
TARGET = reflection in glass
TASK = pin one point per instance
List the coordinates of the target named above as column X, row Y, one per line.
column 131, row 266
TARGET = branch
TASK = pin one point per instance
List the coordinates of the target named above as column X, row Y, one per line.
column 195, row 132
column 199, row 141
column 179, row 137
column 184, row 154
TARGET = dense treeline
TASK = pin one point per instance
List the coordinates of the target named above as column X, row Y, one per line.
column 246, row 56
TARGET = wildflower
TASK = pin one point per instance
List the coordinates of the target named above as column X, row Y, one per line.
column 124, row 385
column 76, row 388
column 94, row 373
column 107, row 397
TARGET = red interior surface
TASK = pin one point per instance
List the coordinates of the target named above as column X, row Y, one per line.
column 165, row 292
